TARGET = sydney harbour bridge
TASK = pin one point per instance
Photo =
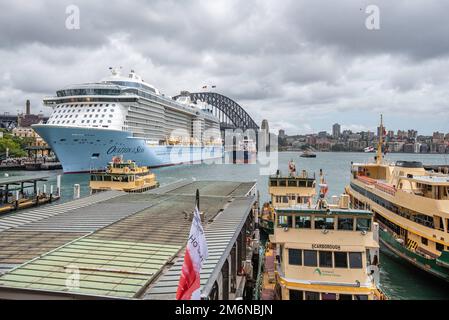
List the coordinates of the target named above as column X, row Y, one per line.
column 230, row 113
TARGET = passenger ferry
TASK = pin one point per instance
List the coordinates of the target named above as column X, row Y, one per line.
column 124, row 176
column 286, row 191
column 323, row 252
column 411, row 206
column 126, row 116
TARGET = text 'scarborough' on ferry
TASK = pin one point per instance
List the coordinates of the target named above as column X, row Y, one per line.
column 125, row 116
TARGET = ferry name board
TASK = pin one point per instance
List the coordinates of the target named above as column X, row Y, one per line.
column 326, row 246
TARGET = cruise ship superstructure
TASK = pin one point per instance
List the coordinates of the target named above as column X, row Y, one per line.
column 125, row 116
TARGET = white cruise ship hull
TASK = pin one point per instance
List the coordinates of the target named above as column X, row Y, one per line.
column 86, row 149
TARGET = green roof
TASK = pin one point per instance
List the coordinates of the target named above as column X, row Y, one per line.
column 106, row 268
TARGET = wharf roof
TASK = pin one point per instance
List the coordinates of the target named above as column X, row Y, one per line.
column 18, row 180
column 120, row 244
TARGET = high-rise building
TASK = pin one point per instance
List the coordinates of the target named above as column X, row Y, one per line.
column 336, row 131
column 281, row 133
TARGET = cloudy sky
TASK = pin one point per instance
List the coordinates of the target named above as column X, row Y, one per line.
column 303, row 65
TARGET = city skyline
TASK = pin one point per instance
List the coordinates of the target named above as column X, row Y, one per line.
column 301, row 65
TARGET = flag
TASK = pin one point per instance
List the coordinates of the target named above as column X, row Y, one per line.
column 196, row 253
column 323, row 188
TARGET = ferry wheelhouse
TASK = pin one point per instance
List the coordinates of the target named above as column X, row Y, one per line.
column 411, row 206
column 326, row 252
column 287, row 191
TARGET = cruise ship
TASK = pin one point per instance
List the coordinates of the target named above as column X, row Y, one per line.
column 125, row 116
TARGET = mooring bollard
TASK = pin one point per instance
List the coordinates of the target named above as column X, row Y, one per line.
column 76, row 191
column 58, row 185
column 17, row 200
column 51, row 193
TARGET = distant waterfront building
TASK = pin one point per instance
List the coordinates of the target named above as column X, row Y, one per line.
column 322, row 134
column 281, row 133
column 24, row 122
column 265, row 126
column 336, row 131
column 28, row 119
column 437, row 137
column 265, row 135
column 412, row 134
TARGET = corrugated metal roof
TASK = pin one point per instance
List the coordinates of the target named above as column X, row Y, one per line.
column 221, row 235
column 23, row 217
column 17, row 247
column 145, row 232
column 86, row 219
column 106, row 268
column 164, row 222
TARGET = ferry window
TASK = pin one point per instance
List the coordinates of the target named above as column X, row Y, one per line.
column 360, row 297
column 285, row 221
column 310, row 258
column 341, row 260
column 363, row 224
column 345, row 224
column 93, row 178
column 303, row 222
column 296, row 295
column 312, row 295
column 107, row 178
column 302, row 184
column 329, row 296
column 325, row 259
column 282, row 183
column 355, row 260
column 324, row 223
column 295, row 257
column 292, row 183
column 424, row 241
column 344, row 297
column 439, row 246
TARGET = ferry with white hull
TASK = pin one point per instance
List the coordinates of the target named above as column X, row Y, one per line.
column 124, row 116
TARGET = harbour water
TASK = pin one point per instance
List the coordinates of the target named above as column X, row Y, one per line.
column 398, row 279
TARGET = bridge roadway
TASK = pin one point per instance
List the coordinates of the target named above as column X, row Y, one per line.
column 129, row 246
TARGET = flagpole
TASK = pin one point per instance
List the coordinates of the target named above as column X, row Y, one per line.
column 197, row 199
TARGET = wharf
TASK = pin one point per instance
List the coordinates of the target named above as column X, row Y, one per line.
column 114, row 245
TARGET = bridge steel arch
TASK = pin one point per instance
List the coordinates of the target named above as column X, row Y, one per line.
column 230, row 113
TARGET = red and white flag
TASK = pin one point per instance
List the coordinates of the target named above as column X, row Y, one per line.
column 196, row 253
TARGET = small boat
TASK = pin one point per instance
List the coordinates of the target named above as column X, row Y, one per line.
column 308, row 154
column 123, row 176
column 246, row 152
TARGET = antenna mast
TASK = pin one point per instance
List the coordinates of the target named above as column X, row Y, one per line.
column 379, row 146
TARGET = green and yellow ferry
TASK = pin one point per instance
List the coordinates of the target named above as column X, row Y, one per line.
column 411, row 206
column 124, row 176
column 323, row 252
